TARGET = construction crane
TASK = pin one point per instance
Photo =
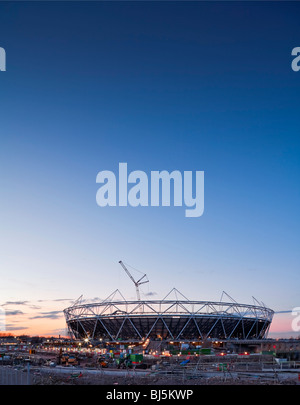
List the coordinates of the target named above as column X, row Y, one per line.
column 136, row 283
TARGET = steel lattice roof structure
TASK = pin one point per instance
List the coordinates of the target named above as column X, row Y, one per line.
column 176, row 319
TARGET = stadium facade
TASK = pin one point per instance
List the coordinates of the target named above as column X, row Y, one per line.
column 178, row 319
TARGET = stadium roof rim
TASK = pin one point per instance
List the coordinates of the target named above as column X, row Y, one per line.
column 112, row 307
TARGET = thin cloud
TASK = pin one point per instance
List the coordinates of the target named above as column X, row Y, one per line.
column 35, row 307
column 48, row 315
column 151, row 293
column 15, row 303
column 58, row 300
column 10, row 328
column 13, row 312
column 90, row 300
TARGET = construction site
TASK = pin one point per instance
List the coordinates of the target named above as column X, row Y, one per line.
column 172, row 341
column 268, row 362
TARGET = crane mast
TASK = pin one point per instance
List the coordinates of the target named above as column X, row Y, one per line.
column 136, row 283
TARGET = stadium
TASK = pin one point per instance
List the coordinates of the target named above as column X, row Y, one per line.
column 178, row 319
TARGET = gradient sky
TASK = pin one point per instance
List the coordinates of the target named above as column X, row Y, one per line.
column 161, row 86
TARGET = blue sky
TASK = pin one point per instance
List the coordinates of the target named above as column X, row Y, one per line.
column 161, row 86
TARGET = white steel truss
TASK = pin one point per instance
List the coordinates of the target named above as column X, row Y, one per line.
column 179, row 319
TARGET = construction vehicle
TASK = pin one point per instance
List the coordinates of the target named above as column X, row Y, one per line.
column 72, row 361
column 68, row 360
column 102, row 362
column 131, row 361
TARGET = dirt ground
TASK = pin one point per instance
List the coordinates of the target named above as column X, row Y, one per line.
column 54, row 379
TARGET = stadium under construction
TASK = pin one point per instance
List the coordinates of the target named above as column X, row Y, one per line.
column 175, row 318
